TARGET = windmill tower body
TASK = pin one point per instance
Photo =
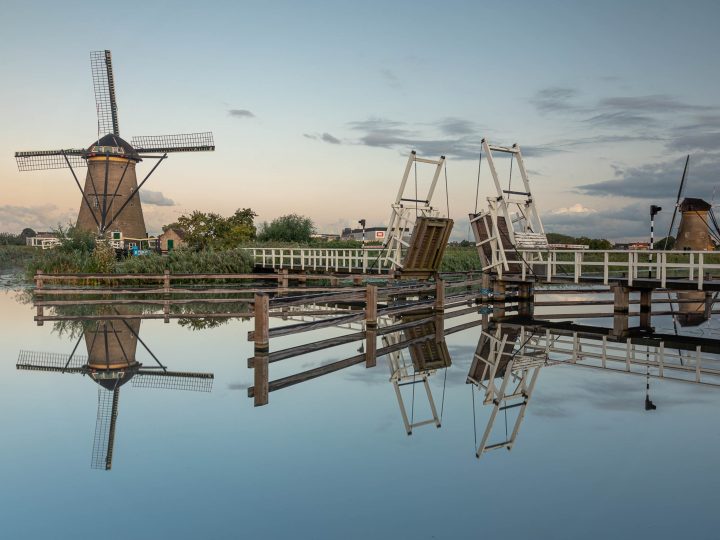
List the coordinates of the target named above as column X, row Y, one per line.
column 694, row 231
column 110, row 181
column 693, row 235
column 112, row 345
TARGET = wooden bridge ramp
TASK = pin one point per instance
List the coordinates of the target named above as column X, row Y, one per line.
column 426, row 247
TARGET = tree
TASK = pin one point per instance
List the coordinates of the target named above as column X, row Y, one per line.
column 288, row 228
column 210, row 230
column 660, row 243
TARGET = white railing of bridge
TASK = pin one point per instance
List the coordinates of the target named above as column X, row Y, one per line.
column 367, row 260
column 633, row 265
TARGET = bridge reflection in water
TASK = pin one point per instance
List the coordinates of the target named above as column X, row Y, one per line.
column 503, row 371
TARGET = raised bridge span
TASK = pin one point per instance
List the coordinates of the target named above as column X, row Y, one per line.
column 510, row 239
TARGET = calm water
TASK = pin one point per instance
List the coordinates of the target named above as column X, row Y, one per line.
column 329, row 458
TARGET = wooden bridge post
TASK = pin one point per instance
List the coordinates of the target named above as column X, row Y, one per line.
column 370, row 325
column 261, row 379
column 284, row 278
column 371, row 293
column 166, row 311
column 370, row 347
column 645, row 307
column 622, row 299
column 40, row 313
column 499, row 290
column 262, row 347
column 38, row 279
column 439, row 294
column 262, row 322
column 166, row 281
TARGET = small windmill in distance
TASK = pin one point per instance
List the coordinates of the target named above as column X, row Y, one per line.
column 110, row 198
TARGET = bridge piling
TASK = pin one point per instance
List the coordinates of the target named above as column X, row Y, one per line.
column 371, row 292
column 621, row 299
column 262, row 348
column 645, row 308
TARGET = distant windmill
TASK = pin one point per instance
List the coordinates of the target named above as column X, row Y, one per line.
column 111, row 363
column 110, row 199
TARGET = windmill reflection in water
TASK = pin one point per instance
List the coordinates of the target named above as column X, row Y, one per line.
column 111, row 362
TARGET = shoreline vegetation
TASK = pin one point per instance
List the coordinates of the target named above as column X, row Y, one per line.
column 213, row 245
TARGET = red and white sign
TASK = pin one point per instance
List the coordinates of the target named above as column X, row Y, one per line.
column 379, row 234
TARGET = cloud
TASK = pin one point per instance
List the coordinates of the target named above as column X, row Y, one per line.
column 14, row 219
column 574, row 209
column 155, row 197
column 456, row 126
column 390, row 78
column 554, row 99
column 660, row 103
column 450, row 137
column 324, row 137
column 240, row 113
column 621, row 119
column 660, row 180
column 621, row 223
column 329, row 138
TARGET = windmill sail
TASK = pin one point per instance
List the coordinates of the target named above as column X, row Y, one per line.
column 104, row 86
column 174, row 380
column 41, row 160
column 179, row 142
column 105, row 427
column 48, row 361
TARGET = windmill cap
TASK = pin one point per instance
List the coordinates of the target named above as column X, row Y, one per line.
column 113, row 145
column 690, row 204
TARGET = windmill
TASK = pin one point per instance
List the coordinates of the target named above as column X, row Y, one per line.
column 110, row 198
column 111, row 363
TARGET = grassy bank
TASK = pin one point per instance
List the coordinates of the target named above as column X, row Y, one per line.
column 460, row 259
column 233, row 261
column 15, row 258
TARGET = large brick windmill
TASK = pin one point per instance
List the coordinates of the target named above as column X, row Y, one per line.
column 110, row 199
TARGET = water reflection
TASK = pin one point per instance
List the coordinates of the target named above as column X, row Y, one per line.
column 111, row 342
column 512, row 351
column 503, row 368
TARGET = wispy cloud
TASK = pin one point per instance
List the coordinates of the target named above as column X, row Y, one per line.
column 155, row 198
column 240, row 113
column 660, row 180
column 43, row 217
column 574, row 209
column 555, row 99
column 324, row 137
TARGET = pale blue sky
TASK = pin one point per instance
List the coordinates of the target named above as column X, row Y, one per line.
column 340, row 91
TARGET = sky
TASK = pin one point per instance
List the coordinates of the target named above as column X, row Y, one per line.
column 314, row 106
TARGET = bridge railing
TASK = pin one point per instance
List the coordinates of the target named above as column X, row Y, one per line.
column 367, row 261
column 632, row 265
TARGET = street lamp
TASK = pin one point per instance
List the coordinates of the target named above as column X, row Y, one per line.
column 654, row 209
column 362, row 224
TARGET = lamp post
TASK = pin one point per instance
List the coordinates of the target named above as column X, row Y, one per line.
column 654, row 209
column 362, row 224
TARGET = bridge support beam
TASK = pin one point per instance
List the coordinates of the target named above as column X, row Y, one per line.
column 262, row 348
column 370, row 325
column 622, row 299
column 645, row 308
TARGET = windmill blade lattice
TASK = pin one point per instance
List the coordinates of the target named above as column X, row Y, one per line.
column 174, row 380
column 104, row 86
column 104, row 439
column 179, row 142
column 48, row 361
column 42, row 160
